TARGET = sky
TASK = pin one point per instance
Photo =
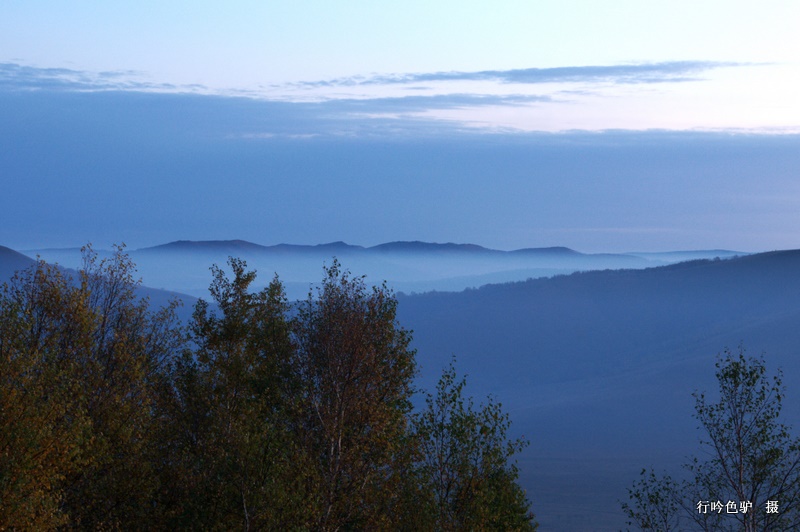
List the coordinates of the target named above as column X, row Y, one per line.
column 624, row 125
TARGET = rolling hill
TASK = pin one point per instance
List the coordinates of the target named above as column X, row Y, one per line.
column 12, row 261
column 406, row 266
column 598, row 368
column 595, row 367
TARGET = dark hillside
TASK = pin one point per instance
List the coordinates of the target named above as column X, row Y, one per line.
column 221, row 246
column 408, row 267
column 604, row 322
column 11, row 261
column 598, row 367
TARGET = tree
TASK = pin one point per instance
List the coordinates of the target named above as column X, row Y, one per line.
column 355, row 368
column 81, row 356
column 44, row 429
column 260, row 416
column 465, row 471
column 655, row 503
column 120, row 373
column 753, row 458
column 234, row 460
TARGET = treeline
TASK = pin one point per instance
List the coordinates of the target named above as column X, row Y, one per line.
column 748, row 476
column 258, row 415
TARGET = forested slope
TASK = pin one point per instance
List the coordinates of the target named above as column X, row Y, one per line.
column 598, row 368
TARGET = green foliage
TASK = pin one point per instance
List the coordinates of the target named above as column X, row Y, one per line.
column 233, row 456
column 655, row 503
column 44, row 429
column 260, row 416
column 120, row 369
column 465, row 463
column 751, row 457
column 355, row 369
column 80, row 360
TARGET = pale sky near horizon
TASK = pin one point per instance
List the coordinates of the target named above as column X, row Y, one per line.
column 370, row 121
column 751, row 53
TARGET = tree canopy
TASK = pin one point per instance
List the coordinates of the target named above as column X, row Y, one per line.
column 258, row 414
column 748, row 477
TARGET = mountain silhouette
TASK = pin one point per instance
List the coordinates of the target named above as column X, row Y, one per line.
column 597, row 368
column 11, row 261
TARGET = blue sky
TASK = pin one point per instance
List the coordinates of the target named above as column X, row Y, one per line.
column 601, row 126
column 719, row 64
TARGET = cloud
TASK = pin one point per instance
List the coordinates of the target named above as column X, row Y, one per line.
column 671, row 71
column 23, row 77
column 594, row 98
column 167, row 119
column 14, row 76
column 241, row 114
column 422, row 103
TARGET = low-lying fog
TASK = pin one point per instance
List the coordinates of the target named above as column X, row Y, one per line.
column 406, row 266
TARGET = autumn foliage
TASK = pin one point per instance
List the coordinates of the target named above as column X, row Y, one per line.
column 257, row 415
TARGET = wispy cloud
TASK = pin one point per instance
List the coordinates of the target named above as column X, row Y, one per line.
column 422, row 103
column 14, row 76
column 25, row 77
column 671, row 71
column 298, row 118
column 594, row 98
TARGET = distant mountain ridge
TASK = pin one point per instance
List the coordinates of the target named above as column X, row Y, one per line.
column 12, row 261
column 401, row 246
column 406, row 266
column 204, row 245
column 596, row 364
column 243, row 246
column 397, row 246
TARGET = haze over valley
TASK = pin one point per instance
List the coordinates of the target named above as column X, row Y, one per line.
column 408, row 267
column 581, row 203
column 596, row 367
